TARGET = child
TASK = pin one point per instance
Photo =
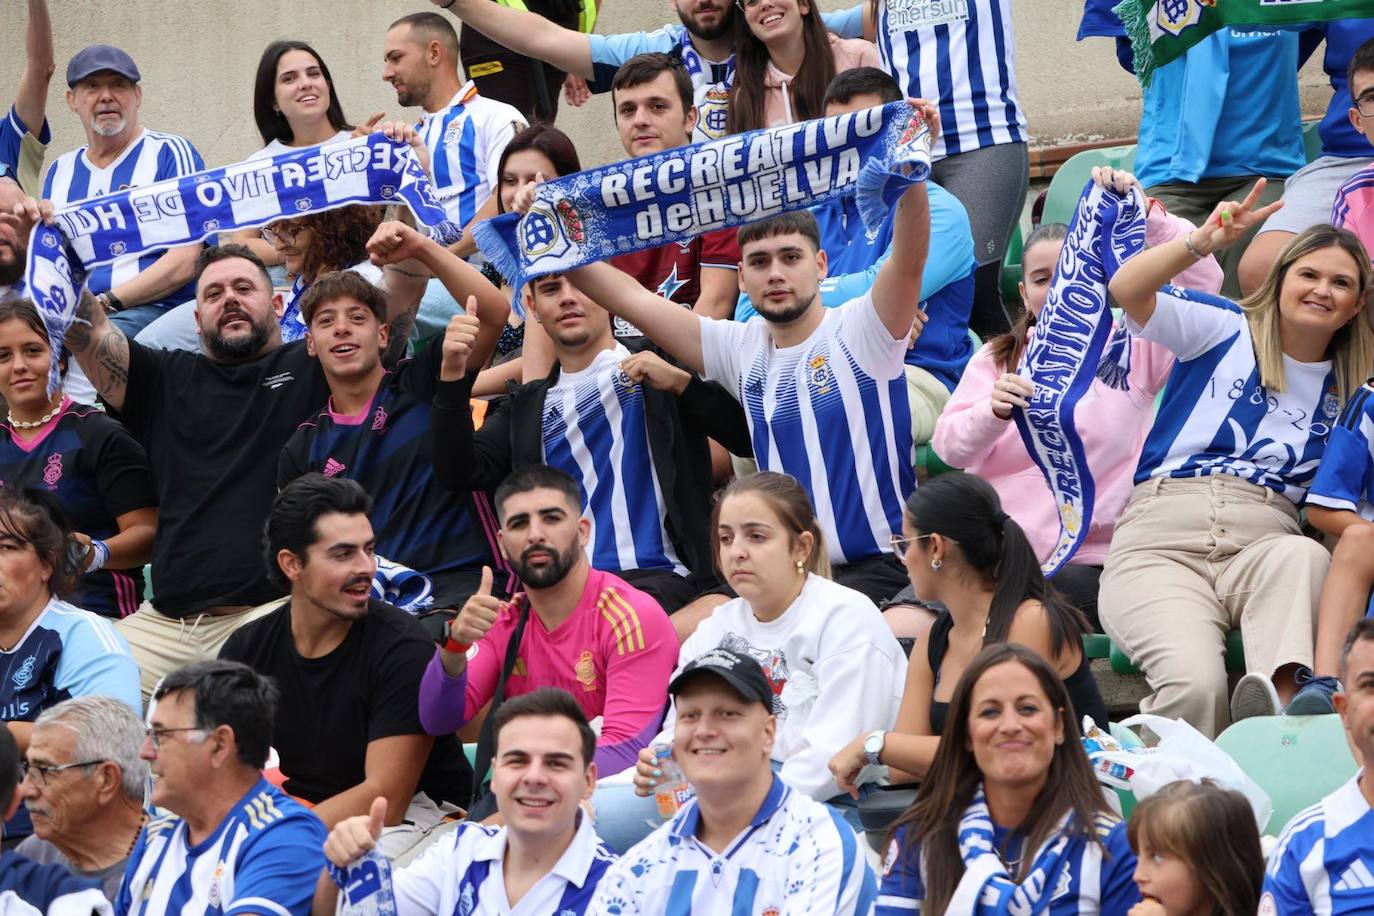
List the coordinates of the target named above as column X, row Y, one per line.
column 1338, row 504
column 1198, row 852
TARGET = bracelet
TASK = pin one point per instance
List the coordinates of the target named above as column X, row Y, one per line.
column 102, row 555
column 453, row 645
column 113, row 302
column 1188, row 243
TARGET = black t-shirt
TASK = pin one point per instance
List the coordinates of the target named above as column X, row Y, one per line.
column 389, row 449
column 213, row 433
column 331, row 707
column 97, row 472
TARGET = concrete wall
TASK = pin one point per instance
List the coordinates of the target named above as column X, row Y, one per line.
column 198, row 60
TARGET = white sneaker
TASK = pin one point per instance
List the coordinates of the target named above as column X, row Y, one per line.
column 1255, row 696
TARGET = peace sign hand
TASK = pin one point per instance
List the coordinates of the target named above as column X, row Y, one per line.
column 1230, row 220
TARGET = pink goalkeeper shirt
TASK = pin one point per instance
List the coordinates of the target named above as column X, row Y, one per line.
column 614, row 653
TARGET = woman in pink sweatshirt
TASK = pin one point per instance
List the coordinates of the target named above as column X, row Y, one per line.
column 975, row 431
column 784, row 62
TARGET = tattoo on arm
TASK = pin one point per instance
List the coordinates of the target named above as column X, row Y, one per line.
column 111, row 362
column 399, row 336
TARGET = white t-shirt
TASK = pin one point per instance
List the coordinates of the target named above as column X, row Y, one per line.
column 276, row 146
column 836, row 669
column 1216, row 417
column 831, row 411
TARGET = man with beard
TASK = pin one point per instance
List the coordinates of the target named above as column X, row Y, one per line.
column 104, row 92
column 704, row 42
column 602, row 409
column 824, row 390
column 575, row 627
column 376, row 427
column 346, row 729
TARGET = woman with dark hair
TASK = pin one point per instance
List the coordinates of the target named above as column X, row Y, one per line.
column 294, row 105
column 962, row 551
column 88, row 462
column 314, row 245
column 975, row 431
column 1012, row 819
column 784, row 61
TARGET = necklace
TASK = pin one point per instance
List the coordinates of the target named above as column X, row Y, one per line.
column 143, row 819
column 34, row 424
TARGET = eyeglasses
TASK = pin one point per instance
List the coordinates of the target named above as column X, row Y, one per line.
column 41, row 774
column 1365, row 105
column 156, row 735
column 280, row 236
column 747, row 4
column 901, row 545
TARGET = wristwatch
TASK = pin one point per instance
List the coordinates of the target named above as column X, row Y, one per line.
column 873, row 747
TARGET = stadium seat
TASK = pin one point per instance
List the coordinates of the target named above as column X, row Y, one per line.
column 1235, row 656
column 1297, row 760
column 1096, row 645
column 1011, row 270
column 1068, row 182
column 1311, row 140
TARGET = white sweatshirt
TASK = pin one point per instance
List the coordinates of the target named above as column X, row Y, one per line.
column 837, row 671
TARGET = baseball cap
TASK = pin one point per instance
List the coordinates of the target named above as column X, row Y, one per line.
column 742, row 673
column 96, row 58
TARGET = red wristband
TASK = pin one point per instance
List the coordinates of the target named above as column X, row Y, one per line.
column 453, row 645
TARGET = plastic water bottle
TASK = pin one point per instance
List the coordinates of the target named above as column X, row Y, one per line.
column 674, row 791
column 366, row 887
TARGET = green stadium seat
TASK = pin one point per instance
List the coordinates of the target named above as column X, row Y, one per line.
column 1011, row 268
column 1096, row 645
column 1311, row 140
column 1235, row 656
column 1297, row 760
column 1068, row 182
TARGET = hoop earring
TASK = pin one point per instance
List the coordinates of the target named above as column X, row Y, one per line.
column 936, row 564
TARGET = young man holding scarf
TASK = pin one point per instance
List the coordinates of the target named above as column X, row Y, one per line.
column 825, row 390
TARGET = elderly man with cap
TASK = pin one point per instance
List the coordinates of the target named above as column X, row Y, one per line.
column 747, row 844
column 83, row 785
column 105, row 93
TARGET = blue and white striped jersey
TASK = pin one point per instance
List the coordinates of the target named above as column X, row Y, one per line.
column 264, row 859
column 1216, row 416
column 833, row 412
column 710, row 79
column 1324, row 863
column 30, row 889
column 462, row 873
column 1345, row 478
column 1088, row 881
column 961, row 53
column 21, row 151
column 594, row 430
column 465, row 140
column 151, row 157
column 796, row 856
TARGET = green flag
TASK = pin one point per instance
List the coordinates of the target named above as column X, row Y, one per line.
column 1163, row 30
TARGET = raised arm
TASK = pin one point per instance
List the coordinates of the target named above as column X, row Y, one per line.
column 666, row 323
column 897, row 289
column 526, row 33
column 1138, row 280
column 39, row 62
column 101, row 349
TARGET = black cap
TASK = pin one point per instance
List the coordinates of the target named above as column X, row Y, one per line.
column 742, row 673
column 97, row 58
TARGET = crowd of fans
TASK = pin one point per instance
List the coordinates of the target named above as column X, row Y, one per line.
column 311, row 505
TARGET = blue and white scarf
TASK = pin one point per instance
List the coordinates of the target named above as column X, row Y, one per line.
column 986, row 887
column 402, row 587
column 1073, row 346
column 186, row 210
column 683, row 192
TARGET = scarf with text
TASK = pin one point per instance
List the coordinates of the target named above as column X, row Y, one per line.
column 1163, row 30
column 1074, row 345
column 680, row 193
column 187, row 210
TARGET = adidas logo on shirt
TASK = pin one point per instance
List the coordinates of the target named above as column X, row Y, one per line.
column 1356, row 877
column 333, row 468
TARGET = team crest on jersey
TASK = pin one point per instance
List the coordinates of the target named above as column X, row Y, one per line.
column 585, row 670
column 379, row 419
column 1176, row 16
column 1331, row 404
column 52, row 471
column 24, row 675
column 466, row 900
column 621, row 380
column 215, row 877
column 890, row 860
column 1267, row 906
column 771, row 911
column 520, row 670
column 819, row 375
column 714, row 111
column 118, row 248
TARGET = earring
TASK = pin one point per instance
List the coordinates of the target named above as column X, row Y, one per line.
column 935, row 565
column 801, row 568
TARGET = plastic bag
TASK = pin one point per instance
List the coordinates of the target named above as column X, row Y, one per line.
column 1184, row 753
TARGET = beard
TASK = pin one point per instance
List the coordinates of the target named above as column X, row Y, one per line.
column 785, row 315
column 107, row 129
column 237, row 349
column 722, row 28
column 552, row 574
column 412, row 94
column 11, row 268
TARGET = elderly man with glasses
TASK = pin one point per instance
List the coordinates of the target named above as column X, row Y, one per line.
column 232, row 844
column 83, row 787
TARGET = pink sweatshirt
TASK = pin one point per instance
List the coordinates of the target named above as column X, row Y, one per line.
column 615, row 654
column 777, row 100
column 1113, row 425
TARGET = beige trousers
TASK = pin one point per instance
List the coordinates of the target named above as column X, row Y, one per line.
column 1194, row 558
column 162, row 644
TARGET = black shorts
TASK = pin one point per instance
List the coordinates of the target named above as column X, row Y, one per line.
column 878, row 577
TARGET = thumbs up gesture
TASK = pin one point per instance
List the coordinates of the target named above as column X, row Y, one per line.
column 354, row 837
column 459, row 339
column 478, row 614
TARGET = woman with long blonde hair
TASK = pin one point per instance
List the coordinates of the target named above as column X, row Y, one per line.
column 1210, row 540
